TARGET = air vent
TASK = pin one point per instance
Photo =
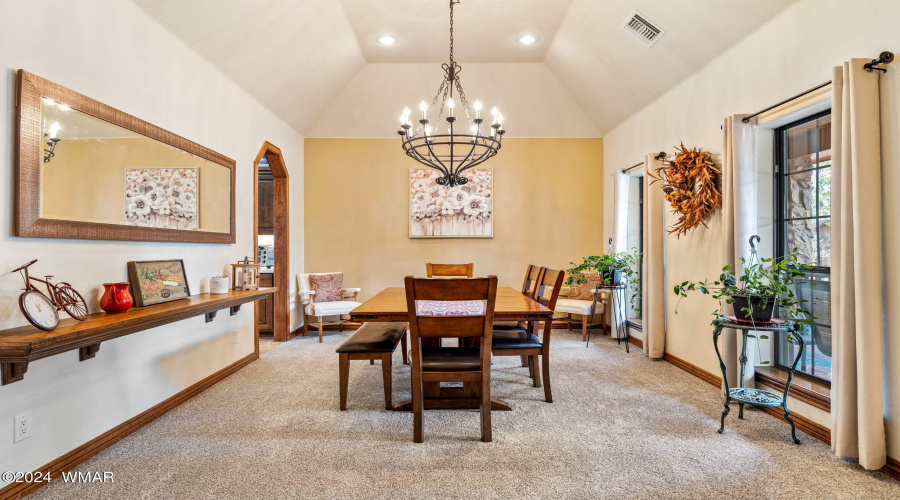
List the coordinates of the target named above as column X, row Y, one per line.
column 638, row 25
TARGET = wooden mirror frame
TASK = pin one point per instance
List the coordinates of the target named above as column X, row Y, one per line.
column 29, row 160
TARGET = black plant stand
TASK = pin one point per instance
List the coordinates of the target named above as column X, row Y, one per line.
column 756, row 397
column 616, row 302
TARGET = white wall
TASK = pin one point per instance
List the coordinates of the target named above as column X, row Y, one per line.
column 112, row 51
column 532, row 100
column 793, row 52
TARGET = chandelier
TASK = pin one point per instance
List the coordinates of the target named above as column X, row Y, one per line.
column 455, row 151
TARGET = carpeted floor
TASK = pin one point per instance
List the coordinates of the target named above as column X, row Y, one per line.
column 622, row 426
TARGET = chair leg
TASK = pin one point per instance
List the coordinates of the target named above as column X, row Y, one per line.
column 524, row 360
column 344, row 375
column 386, row 373
column 404, row 348
column 535, row 373
column 545, row 361
column 371, row 361
column 305, row 323
column 320, row 329
column 486, row 407
column 418, row 405
column 584, row 323
column 569, row 322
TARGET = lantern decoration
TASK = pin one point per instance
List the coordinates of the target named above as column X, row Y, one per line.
column 245, row 275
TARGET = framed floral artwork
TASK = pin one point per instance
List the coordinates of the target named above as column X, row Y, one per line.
column 162, row 197
column 437, row 211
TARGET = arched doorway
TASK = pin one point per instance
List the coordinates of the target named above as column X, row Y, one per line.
column 281, row 231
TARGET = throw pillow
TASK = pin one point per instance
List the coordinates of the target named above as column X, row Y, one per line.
column 328, row 287
column 584, row 290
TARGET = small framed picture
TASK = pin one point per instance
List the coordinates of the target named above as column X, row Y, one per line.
column 157, row 281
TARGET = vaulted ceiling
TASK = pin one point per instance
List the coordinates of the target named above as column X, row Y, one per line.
column 297, row 56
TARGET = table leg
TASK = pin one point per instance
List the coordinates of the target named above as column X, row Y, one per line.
column 743, row 359
column 716, row 333
column 787, row 388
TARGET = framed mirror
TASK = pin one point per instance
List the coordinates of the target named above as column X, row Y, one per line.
column 87, row 170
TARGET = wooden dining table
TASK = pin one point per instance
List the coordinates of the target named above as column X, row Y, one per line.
column 390, row 305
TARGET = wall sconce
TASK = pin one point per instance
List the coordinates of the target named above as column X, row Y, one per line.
column 51, row 142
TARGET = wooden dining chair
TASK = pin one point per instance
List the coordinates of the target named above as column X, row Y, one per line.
column 450, row 270
column 528, row 344
column 440, row 308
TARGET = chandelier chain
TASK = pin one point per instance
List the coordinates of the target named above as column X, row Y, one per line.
column 452, row 3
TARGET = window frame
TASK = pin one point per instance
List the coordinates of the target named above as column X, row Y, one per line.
column 780, row 220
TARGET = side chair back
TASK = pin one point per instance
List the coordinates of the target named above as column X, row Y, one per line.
column 450, row 270
column 460, row 308
column 532, row 275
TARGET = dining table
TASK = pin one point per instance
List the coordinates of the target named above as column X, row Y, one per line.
column 511, row 305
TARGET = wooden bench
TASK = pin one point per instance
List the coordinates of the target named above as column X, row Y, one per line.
column 372, row 341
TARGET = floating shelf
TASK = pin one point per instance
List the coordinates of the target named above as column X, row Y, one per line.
column 20, row 346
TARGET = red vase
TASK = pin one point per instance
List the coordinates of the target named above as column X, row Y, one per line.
column 116, row 298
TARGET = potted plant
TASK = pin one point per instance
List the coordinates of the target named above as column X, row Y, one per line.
column 614, row 268
column 762, row 285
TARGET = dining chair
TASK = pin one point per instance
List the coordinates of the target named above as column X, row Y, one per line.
column 440, row 308
column 528, row 344
column 450, row 270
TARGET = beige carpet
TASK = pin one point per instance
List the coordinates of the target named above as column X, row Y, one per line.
column 622, row 426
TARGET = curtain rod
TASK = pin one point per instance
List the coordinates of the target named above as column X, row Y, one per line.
column 629, row 169
column 885, row 57
column 782, row 103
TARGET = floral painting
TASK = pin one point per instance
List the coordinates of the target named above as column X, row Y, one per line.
column 437, row 211
column 162, row 197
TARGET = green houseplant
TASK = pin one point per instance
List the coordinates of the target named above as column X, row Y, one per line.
column 613, row 267
column 762, row 285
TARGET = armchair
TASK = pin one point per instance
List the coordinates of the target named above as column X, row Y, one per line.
column 321, row 309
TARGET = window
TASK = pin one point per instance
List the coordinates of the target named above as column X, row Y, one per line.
column 803, row 221
column 635, row 238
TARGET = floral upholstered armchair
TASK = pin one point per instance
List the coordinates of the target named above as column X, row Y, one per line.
column 323, row 294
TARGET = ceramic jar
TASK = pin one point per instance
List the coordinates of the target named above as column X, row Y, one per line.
column 116, row 298
column 219, row 285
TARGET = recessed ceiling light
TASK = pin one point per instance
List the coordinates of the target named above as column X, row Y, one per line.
column 527, row 39
column 387, row 40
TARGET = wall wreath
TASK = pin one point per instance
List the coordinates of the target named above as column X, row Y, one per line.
column 689, row 183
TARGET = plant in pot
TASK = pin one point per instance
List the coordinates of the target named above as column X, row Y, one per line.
column 614, row 268
column 762, row 285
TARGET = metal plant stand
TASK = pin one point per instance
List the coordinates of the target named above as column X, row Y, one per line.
column 758, row 397
column 616, row 302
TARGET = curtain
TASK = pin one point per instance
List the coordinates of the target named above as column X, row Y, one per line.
column 620, row 238
column 857, row 413
column 739, row 223
column 653, row 287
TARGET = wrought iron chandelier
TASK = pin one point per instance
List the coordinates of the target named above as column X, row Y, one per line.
column 451, row 153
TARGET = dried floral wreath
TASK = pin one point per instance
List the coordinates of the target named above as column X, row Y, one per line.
column 689, row 184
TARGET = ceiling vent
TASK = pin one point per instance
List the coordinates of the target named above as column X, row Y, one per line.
column 638, row 25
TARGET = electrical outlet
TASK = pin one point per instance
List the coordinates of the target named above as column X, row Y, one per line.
column 22, row 427
column 235, row 336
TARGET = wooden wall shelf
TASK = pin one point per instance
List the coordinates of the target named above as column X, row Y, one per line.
column 20, row 346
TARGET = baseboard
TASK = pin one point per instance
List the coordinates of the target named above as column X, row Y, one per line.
column 694, row 370
column 806, row 425
column 892, row 468
column 636, row 341
column 110, row 437
column 634, row 325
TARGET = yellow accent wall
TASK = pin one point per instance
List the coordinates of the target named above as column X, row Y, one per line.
column 548, row 210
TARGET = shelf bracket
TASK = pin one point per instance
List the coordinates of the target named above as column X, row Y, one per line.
column 211, row 316
column 12, row 372
column 88, row 352
column 234, row 309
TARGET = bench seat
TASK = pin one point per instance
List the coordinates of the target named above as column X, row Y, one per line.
column 371, row 341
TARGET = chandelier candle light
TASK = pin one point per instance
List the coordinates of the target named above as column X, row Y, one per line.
column 452, row 153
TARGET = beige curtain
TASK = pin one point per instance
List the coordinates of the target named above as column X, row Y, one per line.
column 857, row 315
column 653, row 287
column 739, row 217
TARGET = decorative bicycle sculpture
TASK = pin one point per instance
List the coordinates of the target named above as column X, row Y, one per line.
column 42, row 309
